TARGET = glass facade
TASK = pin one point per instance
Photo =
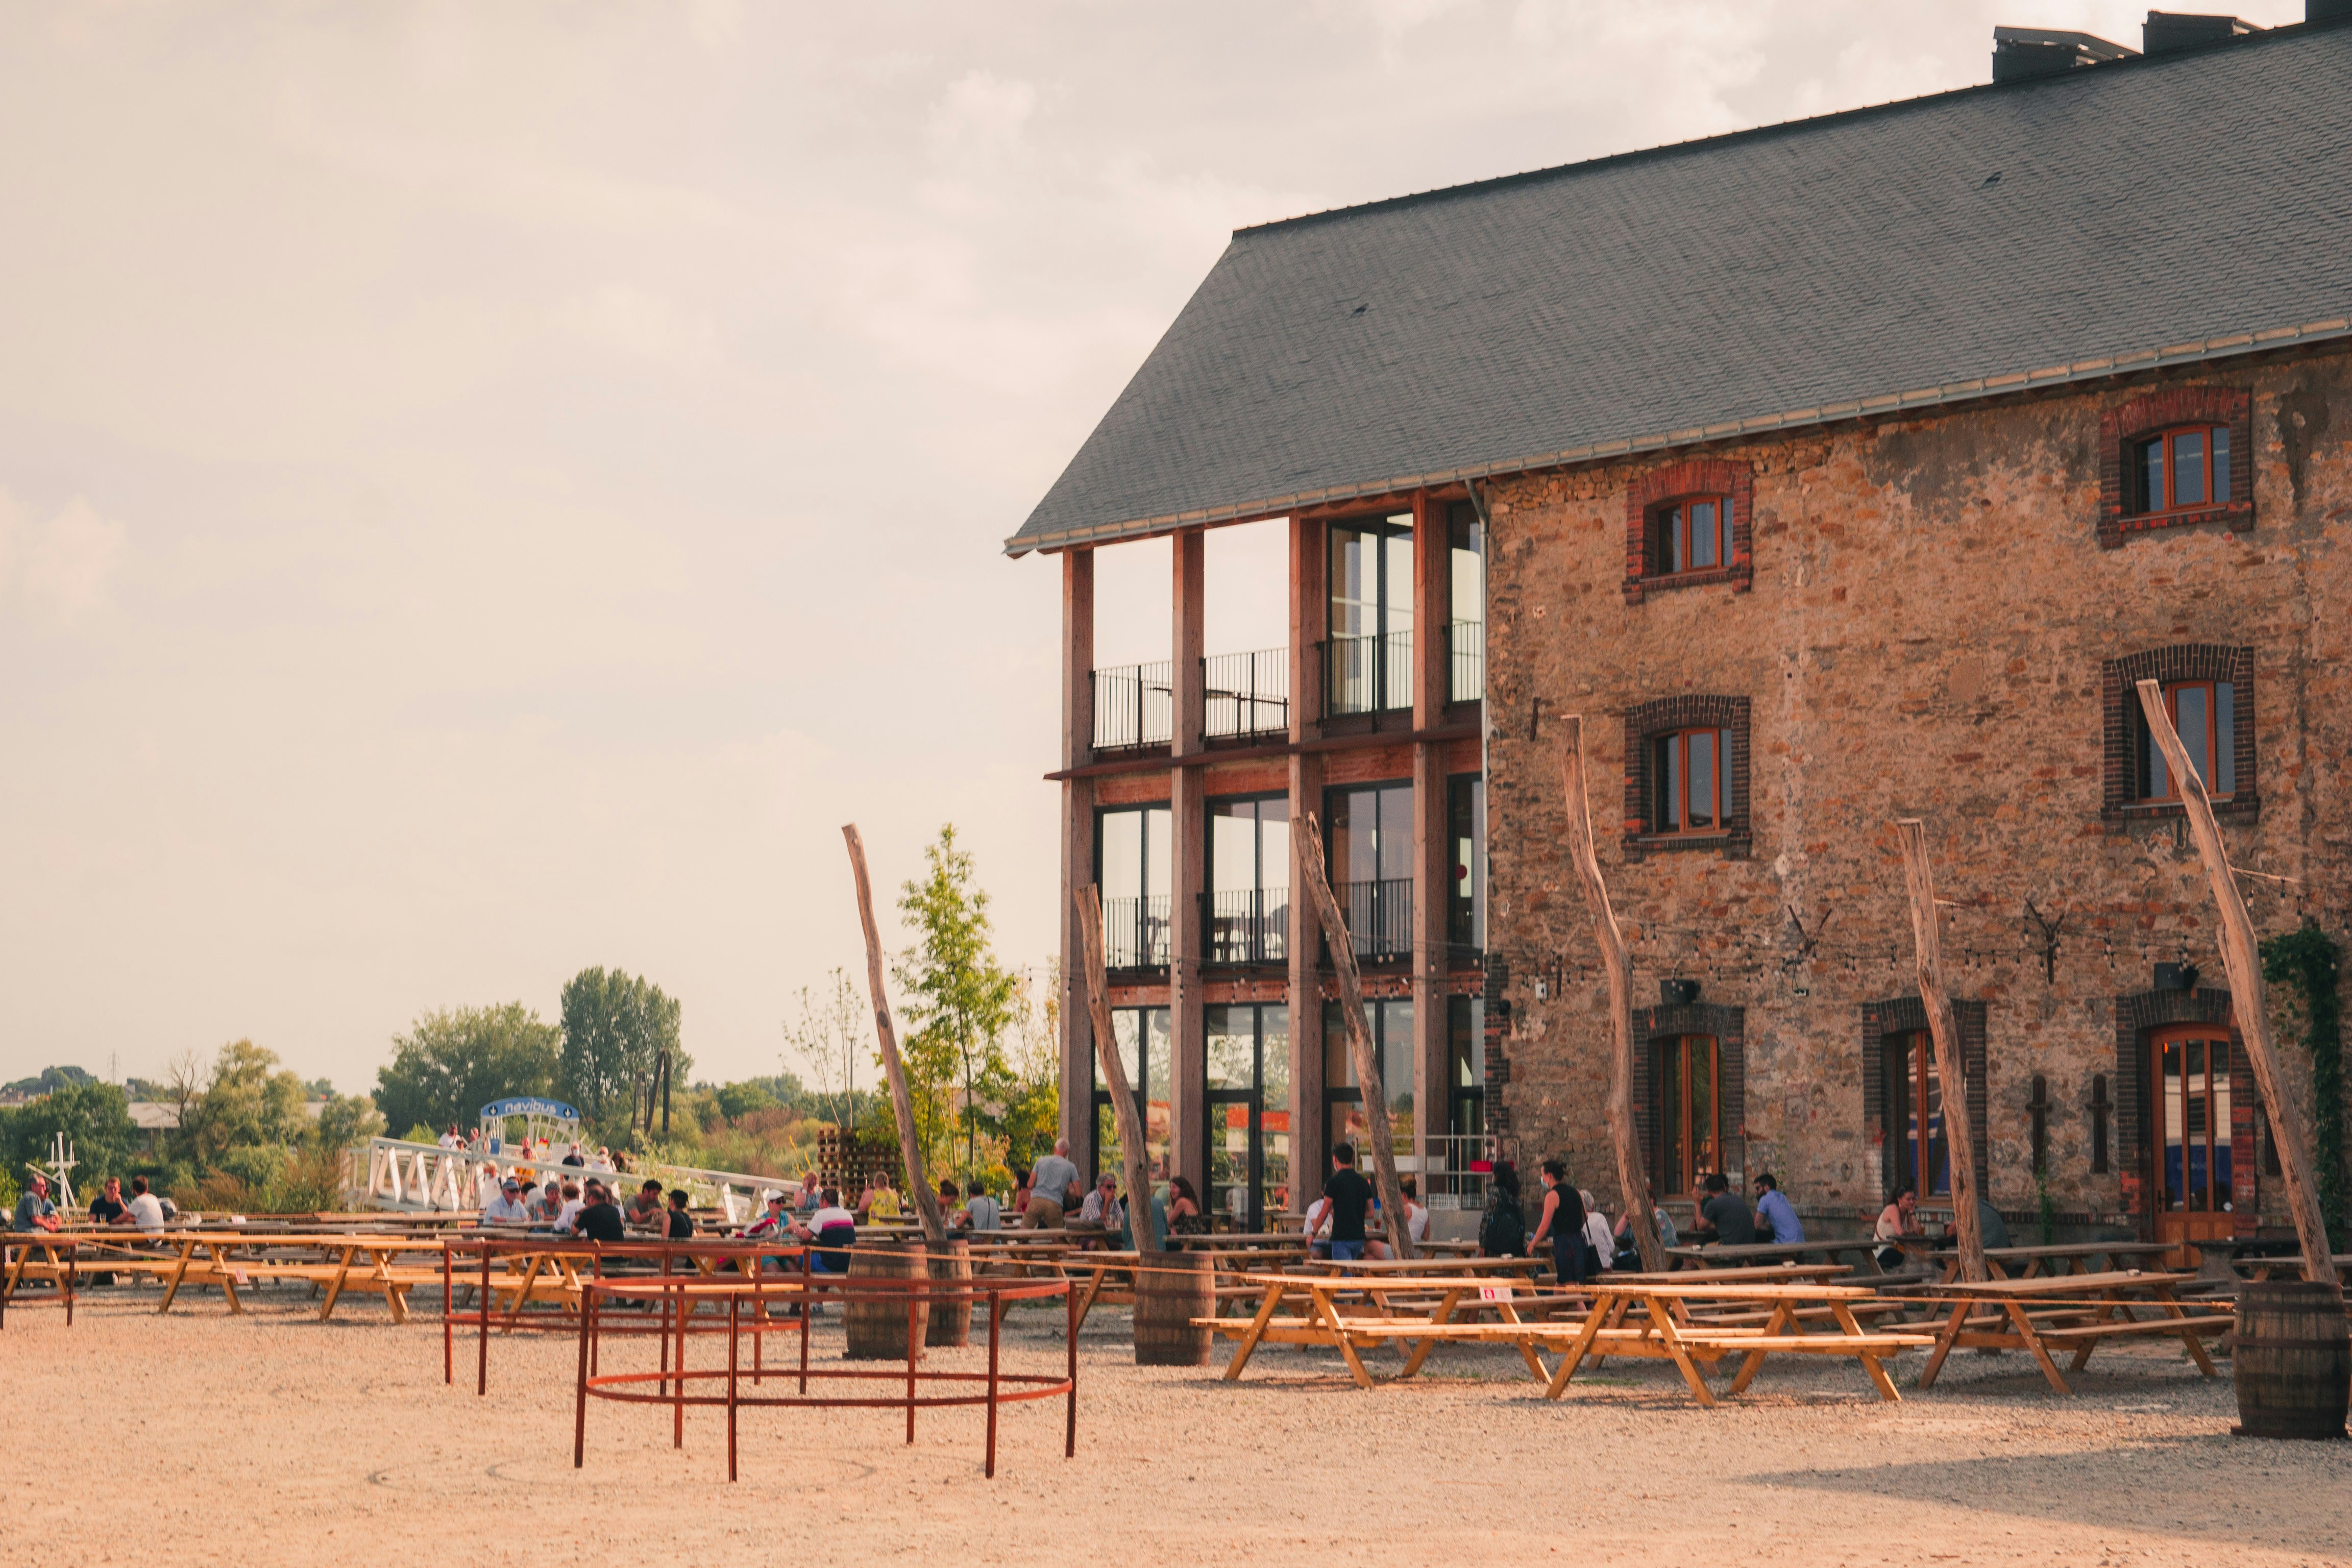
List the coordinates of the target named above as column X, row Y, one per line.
column 1248, row 1121
column 1369, row 665
column 1390, row 1024
column 1134, row 869
column 1145, row 1055
column 1249, row 881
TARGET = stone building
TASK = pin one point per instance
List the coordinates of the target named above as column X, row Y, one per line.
column 1833, row 472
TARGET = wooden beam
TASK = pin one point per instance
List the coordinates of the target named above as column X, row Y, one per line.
column 1114, row 1071
column 1359, row 1041
column 1960, row 1133
column 1077, row 836
column 2242, row 957
column 1632, row 1181
column 902, row 1105
column 1310, row 609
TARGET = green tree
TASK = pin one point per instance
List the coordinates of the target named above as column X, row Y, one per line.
column 249, row 1102
column 346, row 1120
column 1032, row 1113
column 96, row 1120
column 617, row 1027
column 453, row 1062
column 958, row 1001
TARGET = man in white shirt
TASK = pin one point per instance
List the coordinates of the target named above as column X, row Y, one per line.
column 508, row 1207
column 1596, row 1234
column 145, row 1210
column 573, row 1202
column 1102, row 1206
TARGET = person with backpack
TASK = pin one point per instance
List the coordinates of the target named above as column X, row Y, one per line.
column 1503, row 1232
column 1563, row 1223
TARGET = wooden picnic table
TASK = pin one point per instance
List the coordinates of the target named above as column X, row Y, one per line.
column 2260, row 1266
column 1672, row 1331
column 346, row 1261
column 1405, row 1267
column 2074, row 1257
column 2081, row 1310
column 1323, row 1324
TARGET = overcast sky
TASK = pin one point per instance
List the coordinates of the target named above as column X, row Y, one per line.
column 489, row 490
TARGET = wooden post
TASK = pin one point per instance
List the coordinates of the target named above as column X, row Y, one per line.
column 1633, row 1181
column 902, row 1106
column 1122, row 1093
column 2243, row 959
column 1960, row 1134
column 1360, row 1042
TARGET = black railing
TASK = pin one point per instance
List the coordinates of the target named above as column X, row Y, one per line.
column 1465, row 661
column 1368, row 674
column 1248, row 693
column 1135, row 933
column 1252, row 926
column 1380, row 917
column 1133, row 707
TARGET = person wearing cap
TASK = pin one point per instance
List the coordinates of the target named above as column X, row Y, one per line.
column 508, row 1207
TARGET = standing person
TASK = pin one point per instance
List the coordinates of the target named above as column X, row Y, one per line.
column 1351, row 1200
column 681, row 1224
column 1775, row 1214
column 1049, row 1187
column 1723, row 1216
column 1184, row 1215
column 575, row 1159
column 1563, row 1222
column 146, row 1209
column 1503, row 1231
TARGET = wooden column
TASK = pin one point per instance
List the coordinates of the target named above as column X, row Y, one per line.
column 1432, row 886
column 1944, row 1030
column 2242, row 959
column 1309, row 611
column 1077, row 839
column 1187, row 1021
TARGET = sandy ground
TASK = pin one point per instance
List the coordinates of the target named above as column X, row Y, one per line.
column 275, row 1438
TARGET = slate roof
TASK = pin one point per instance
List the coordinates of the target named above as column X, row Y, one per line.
column 2140, row 212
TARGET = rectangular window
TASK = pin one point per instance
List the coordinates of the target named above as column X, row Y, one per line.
column 1467, row 634
column 1141, row 1036
column 1465, row 823
column 1249, row 881
column 1690, row 1117
column 1370, row 660
column 1390, row 1024
column 2192, row 1075
column 1691, row 775
column 1133, row 870
column 2183, row 468
column 1922, row 1156
column 2205, row 712
column 1372, row 865
column 1693, row 534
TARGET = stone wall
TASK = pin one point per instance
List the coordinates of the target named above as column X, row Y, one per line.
column 1917, row 622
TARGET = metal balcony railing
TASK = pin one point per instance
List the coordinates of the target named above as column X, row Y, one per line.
column 1252, row 926
column 1134, row 706
column 1465, row 661
column 1248, row 693
column 1380, row 917
column 1368, row 674
column 1135, row 933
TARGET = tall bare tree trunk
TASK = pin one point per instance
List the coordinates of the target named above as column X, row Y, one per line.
column 1959, row 1131
column 902, row 1106
column 1360, row 1042
column 1138, row 1173
column 1632, row 1181
column 2241, row 958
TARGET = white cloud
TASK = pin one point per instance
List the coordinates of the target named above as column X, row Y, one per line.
column 983, row 116
column 59, row 569
column 635, row 322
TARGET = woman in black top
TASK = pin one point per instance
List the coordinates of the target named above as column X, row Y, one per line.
column 1503, row 1232
column 1563, row 1222
column 1184, row 1215
column 681, row 1224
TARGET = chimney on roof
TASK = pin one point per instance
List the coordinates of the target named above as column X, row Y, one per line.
column 2020, row 54
column 2168, row 30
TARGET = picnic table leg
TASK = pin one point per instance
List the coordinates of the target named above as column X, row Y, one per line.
column 2082, row 1351
column 1329, row 1313
column 187, row 1249
column 228, row 1284
column 1249, row 1341
column 395, row 1296
column 1662, row 1315
column 2172, row 1308
column 1595, row 1317
column 1617, row 1310
column 2033, row 1339
column 1945, row 1338
column 1421, row 1349
column 1094, row 1289
column 1510, row 1314
column 1754, row 1362
column 1870, row 1361
column 335, row 1285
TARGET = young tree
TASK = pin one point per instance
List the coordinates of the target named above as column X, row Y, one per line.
column 96, row 1120
column 249, row 1103
column 959, row 999
column 1033, row 1112
column 617, row 1028
column 453, row 1062
column 829, row 1036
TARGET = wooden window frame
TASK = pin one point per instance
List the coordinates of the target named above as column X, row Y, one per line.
column 1664, row 809
column 2127, row 428
column 1672, row 534
column 1680, row 1179
column 1910, row 1098
column 1645, row 724
column 1731, row 484
column 2217, row 439
column 2218, row 1134
column 2184, row 663
column 2218, row 742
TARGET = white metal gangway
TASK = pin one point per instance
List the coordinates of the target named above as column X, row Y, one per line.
column 427, row 1178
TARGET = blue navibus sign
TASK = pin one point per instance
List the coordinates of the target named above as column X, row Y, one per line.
column 528, row 1105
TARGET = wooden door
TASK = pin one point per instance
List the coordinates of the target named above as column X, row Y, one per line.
column 2189, row 1092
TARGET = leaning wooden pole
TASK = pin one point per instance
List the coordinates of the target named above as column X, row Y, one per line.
column 1960, row 1133
column 2242, row 959
column 1632, row 1181
column 902, row 1105
column 1360, row 1043
column 1133, row 1161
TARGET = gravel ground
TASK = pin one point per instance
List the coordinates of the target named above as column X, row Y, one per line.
column 276, row 1438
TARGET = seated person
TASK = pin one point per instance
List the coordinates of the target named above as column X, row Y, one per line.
column 508, row 1207
column 1318, row 1228
column 1899, row 1218
column 107, row 1209
column 980, row 1212
column 599, row 1218
column 680, row 1224
column 34, row 1210
column 1723, row 1216
column 644, row 1210
column 1416, row 1217
column 830, row 1226
column 1599, row 1246
column 1776, row 1217
column 549, row 1208
column 1629, row 1256
column 146, row 1210
column 1102, row 1205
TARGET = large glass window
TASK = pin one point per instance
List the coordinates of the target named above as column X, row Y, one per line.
column 1465, row 833
column 1144, row 1054
column 1390, row 1024
column 1248, row 1121
column 1133, row 867
column 1466, row 675
column 2192, row 1079
column 1916, row 1137
column 1690, row 1112
column 2182, row 468
column 1371, row 649
column 2205, row 712
column 1249, row 881
column 1690, row 782
column 1466, row 1160
column 1372, row 865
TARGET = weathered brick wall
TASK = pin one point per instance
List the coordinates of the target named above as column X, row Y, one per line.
column 1924, row 635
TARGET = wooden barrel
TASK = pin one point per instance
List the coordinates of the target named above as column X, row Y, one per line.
column 2291, row 1360
column 876, row 1327
column 951, row 1324
column 1172, row 1288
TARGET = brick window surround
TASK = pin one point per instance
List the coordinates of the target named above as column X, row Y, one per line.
column 2126, row 423
column 1904, row 1015
column 1697, row 477
column 2136, row 1015
column 1728, row 1026
column 2119, row 701
column 1645, row 723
